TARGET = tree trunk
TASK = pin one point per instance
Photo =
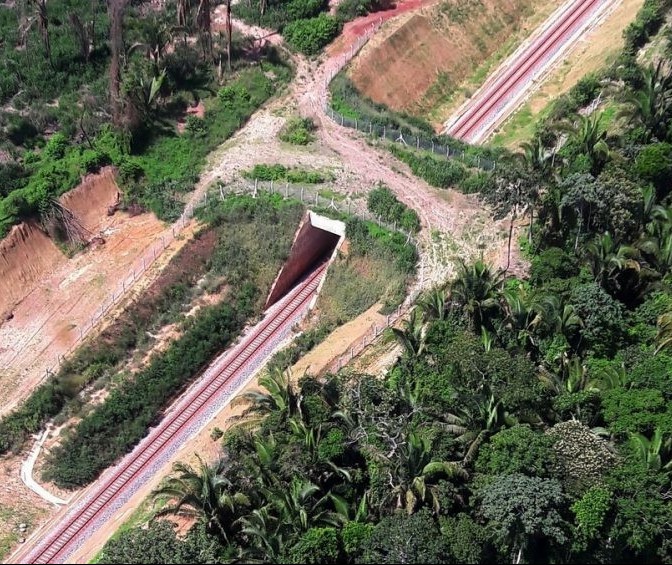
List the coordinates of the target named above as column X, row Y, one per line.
column 508, row 256
column 116, row 14
column 229, row 32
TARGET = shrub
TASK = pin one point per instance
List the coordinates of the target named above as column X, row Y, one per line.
column 439, row 172
column 383, row 203
column 311, row 35
column 297, row 131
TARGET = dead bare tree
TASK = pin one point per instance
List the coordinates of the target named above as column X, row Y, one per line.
column 183, row 7
column 63, row 225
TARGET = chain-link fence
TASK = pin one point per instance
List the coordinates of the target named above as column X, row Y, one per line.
column 140, row 266
column 410, row 140
column 310, row 196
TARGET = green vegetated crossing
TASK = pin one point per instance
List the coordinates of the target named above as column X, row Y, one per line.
column 527, row 420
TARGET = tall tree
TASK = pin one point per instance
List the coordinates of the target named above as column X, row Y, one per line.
column 651, row 105
column 42, row 19
column 116, row 10
column 204, row 26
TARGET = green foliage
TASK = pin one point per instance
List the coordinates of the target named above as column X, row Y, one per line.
column 636, row 410
column 654, row 164
column 350, row 9
column 468, row 541
column 158, row 544
column 649, row 19
column 310, row 35
column 281, row 173
column 520, row 509
column 602, row 318
column 356, row 536
column 590, row 511
column 317, row 545
column 382, row 202
column 516, row 450
column 278, row 13
column 436, row 171
column 298, row 131
column 406, row 539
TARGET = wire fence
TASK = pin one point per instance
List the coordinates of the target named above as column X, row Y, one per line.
column 411, row 140
column 310, row 195
column 305, row 194
column 383, row 131
column 127, row 281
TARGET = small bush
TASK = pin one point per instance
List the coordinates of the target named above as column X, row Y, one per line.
column 441, row 173
column 311, row 35
column 280, row 172
column 298, row 131
column 383, row 203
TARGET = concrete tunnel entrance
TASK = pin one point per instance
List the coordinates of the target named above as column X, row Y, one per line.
column 317, row 239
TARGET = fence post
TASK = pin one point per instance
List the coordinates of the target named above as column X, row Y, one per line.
column 432, row 146
column 417, row 142
column 370, row 128
column 271, row 191
column 447, row 151
column 302, row 195
column 383, row 132
column 341, row 119
column 316, row 195
column 286, row 189
column 356, row 124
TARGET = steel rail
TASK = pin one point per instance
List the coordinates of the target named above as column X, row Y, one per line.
column 510, row 79
column 58, row 540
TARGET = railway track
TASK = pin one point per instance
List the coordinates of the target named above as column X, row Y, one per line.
column 499, row 96
column 186, row 416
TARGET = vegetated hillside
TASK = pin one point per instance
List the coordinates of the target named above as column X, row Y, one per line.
column 83, row 86
column 527, row 421
column 434, row 50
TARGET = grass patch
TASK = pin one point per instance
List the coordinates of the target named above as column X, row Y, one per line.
column 282, row 173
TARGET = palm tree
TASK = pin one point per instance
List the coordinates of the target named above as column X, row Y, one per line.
column 411, row 335
column 433, row 304
column 204, row 493
column 651, row 105
column 263, row 528
column 280, row 398
column 414, row 473
column 477, row 289
column 664, row 335
column 607, row 259
column 655, row 453
column 590, row 139
column 42, row 19
column 525, row 312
